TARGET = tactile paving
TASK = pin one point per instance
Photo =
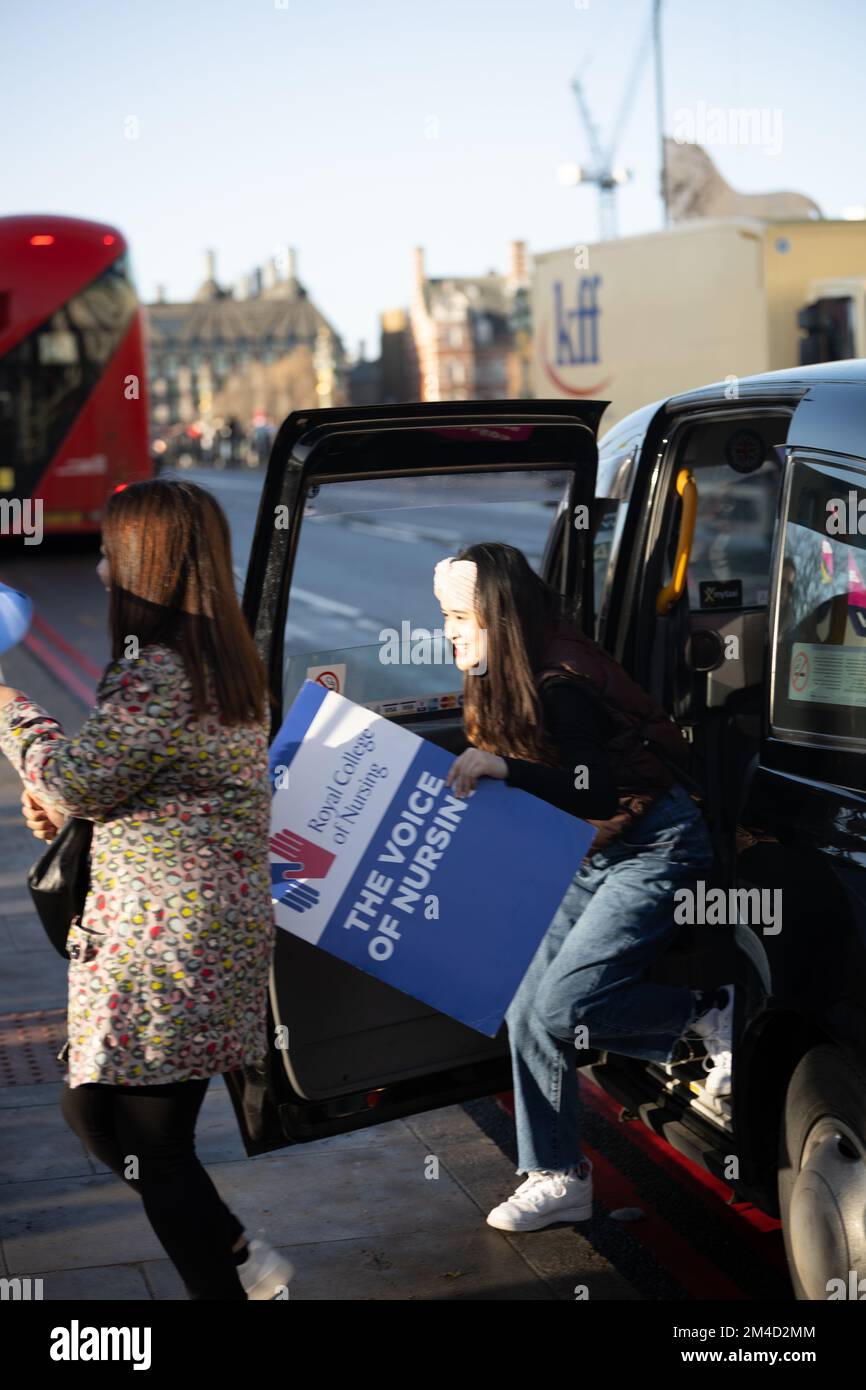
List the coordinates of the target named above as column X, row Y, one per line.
column 29, row 1043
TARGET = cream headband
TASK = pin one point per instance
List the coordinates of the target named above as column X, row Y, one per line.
column 454, row 584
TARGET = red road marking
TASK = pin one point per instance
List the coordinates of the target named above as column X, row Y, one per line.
column 68, row 677
column 685, row 1264
column 747, row 1220
column 690, row 1269
column 83, row 662
column 58, row 668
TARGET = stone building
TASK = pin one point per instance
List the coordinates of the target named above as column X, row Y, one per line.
column 261, row 348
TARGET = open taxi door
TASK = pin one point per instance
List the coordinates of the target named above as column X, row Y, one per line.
column 357, row 507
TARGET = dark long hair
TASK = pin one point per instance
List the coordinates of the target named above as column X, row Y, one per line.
column 169, row 550
column 520, row 613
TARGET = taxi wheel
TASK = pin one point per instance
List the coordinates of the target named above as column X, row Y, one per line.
column 822, row 1175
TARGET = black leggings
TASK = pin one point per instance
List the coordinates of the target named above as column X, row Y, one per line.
column 156, row 1126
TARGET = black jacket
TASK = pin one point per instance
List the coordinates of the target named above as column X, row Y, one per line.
column 573, row 722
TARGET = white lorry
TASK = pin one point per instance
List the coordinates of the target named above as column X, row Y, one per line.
column 643, row 317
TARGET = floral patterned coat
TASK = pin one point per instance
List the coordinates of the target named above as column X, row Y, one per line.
column 169, row 981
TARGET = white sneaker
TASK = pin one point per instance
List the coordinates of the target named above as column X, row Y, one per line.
column 546, row 1197
column 716, row 1028
column 718, row 1082
column 264, row 1271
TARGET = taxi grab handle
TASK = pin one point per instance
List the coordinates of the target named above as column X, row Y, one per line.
column 688, row 491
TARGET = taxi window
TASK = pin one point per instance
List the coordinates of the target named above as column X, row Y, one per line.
column 616, row 470
column 362, row 616
column 738, row 475
column 819, row 681
column 607, row 510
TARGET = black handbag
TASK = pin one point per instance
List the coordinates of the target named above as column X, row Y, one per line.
column 60, row 880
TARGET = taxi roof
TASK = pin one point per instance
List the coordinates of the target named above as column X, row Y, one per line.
column 850, row 371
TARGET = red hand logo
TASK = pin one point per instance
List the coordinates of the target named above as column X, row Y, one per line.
column 305, row 860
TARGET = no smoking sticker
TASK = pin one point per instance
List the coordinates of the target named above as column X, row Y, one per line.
column 331, row 677
column 800, row 671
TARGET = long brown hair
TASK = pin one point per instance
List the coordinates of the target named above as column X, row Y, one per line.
column 519, row 612
column 169, row 550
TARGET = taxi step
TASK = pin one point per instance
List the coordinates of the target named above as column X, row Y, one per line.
column 686, row 1081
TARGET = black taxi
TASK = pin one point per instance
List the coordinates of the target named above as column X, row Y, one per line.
column 724, row 565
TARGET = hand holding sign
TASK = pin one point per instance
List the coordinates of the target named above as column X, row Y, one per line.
column 474, row 763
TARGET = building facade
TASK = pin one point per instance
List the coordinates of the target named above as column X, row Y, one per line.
column 259, row 349
column 470, row 335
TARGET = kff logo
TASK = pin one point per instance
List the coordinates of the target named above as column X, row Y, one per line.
column 577, row 328
column 575, row 337
column 298, row 859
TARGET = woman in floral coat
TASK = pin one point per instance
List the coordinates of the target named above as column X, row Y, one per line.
column 169, row 963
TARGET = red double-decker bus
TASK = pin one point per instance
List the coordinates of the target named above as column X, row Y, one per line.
column 73, row 401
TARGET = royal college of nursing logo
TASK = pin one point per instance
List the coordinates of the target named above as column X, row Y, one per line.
column 299, row 860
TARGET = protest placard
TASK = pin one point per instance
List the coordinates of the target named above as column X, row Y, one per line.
column 375, row 860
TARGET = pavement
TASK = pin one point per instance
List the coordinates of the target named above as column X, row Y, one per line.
column 395, row 1211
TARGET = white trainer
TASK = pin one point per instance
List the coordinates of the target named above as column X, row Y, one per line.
column 716, row 1029
column 718, row 1082
column 545, row 1198
column 265, row 1271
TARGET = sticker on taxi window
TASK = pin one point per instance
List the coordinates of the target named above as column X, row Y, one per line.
column 332, row 677
column 825, row 674
column 721, row 593
column 416, row 704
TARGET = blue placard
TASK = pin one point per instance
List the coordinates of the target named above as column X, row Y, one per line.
column 16, row 615
column 376, row 861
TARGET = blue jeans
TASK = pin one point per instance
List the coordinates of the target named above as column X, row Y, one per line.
column 615, row 919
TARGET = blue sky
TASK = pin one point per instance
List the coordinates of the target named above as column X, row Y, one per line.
column 355, row 131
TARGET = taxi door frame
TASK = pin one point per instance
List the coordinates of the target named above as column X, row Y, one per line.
column 270, row 1113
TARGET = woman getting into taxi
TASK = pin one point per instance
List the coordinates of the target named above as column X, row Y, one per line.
column 169, row 962
column 541, row 701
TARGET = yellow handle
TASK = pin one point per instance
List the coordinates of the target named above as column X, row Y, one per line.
column 688, row 491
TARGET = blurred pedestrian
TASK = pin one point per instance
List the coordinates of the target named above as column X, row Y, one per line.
column 169, row 963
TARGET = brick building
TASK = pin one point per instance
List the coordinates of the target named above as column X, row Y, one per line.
column 470, row 334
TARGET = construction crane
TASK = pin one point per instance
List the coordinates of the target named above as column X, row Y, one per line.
column 603, row 172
